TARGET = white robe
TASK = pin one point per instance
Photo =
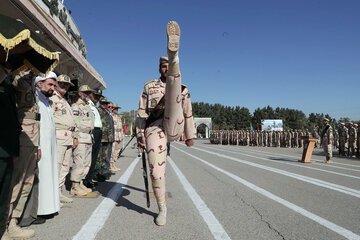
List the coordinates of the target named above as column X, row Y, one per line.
column 49, row 201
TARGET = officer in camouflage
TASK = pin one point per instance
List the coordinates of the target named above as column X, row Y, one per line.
column 326, row 140
column 66, row 131
column 164, row 113
column 84, row 120
column 118, row 137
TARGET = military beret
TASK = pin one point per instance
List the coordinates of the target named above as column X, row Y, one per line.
column 163, row 60
column 350, row 123
column 97, row 91
column 116, row 106
column 326, row 119
column 85, row 88
column 65, row 78
column 104, row 100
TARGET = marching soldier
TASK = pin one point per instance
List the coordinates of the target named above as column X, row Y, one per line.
column 84, row 120
column 164, row 113
column 118, row 137
column 66, row 132
column 326, row 138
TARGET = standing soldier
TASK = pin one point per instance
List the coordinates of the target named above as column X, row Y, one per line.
column 66, row 132
column 164, row 113
column 84, row 120
column 300, row 134
column 326, row 138
column 288, row 139
column 315, row 134
column 102, row 170
column 118, row 137
column 352, row 139
column 25, row 165
column 343, row 138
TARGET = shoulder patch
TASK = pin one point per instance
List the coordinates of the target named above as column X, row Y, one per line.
column 76, row 113
column 151, row 81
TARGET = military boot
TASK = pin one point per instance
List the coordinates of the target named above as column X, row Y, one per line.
column 64, row 199
column 113, row 168
column 173, row 44
column 86, row 189
column 77, row 190
column 5, row 236
column 161, row 218
column 16, row 232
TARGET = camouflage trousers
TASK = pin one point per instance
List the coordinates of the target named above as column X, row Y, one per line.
column 168, row 129
column 116, row 147
column 351, row 150
column 22, row 179
column 102, row 156
column 64, row 158
column 82, row 161
column 342, row 147
column 327, row 149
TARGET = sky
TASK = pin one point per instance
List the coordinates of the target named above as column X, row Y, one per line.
column 302, row 54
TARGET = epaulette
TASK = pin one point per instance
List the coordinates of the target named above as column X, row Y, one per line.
column 151, row 81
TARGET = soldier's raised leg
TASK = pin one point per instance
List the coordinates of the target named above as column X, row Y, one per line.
column 173, row 116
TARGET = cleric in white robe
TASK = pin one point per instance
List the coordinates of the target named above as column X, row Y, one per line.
column 49, row 202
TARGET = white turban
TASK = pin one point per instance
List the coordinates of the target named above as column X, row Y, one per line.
column 40, row 78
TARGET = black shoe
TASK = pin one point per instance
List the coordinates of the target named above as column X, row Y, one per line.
column 89, row 184
column 100, row 178
column 39, row 220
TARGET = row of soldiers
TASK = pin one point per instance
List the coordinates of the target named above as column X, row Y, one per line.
column 345, row 139
column 53, row 137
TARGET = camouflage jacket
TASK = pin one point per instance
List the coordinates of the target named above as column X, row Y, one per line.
column 107, row 129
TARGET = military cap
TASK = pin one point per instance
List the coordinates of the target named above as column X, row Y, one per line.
column 65, row 78
column 116, row 106
column 163, row 60
column 104, row 100
column 355, row 125
column 342, row 123
column 85, row 88
column 350, row 123
column 326, row 119
column 97, row 91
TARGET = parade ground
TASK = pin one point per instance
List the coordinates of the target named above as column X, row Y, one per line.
column 221, row 192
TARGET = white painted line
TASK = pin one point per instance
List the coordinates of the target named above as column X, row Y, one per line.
column 215, row 227
column 318, row 182
column 283, row 162
column 331, row 226
column 102, row 212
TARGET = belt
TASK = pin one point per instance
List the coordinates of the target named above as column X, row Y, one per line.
column 86, row 131
column 63, row 127
column 29, row 115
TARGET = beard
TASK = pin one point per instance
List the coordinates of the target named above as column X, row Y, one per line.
column 47, row 93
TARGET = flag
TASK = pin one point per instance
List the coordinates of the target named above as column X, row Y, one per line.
column 131, row 129
column 124, row 126
column 251, row 128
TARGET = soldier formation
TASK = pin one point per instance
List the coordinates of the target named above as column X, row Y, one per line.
column 346, row 140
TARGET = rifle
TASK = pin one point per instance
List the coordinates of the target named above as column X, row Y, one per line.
column 123, row 149
column 145, row 177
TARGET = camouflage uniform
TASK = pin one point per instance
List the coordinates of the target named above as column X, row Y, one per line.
column 326, row 138
column 164, row 113
column 25, row 166
column 106, row 140
column 118, row 137
column 66, row 131
column 84, row 120
column 352, row 140
column 343, row 138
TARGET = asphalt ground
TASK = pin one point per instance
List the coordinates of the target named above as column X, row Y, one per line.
column 221, row 192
